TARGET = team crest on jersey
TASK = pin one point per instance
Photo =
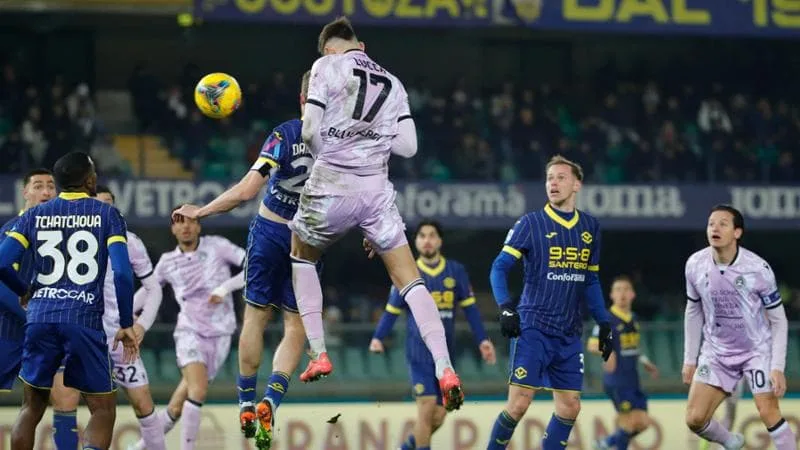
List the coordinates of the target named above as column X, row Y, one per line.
column 586, row 237
column 419, row 388
column 202, row 255
column 449, row 282
column 739, row 282
column 702, row 371
column 520, row 373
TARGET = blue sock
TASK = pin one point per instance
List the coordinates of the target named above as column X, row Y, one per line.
column 65, row 430
column 91, row 448
column 247, row 388
column 501, row 432
column 423, row 448
column 410, row 443
column 277, row 386
column 557, row 433
column 620, row 439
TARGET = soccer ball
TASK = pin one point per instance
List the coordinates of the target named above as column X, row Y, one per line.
column 218, row 95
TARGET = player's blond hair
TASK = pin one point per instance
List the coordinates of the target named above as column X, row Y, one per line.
column 558, row 160
column 304, row 84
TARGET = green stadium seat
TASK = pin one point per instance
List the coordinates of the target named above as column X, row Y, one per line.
column 150, row 362
column 168, row 367
column 793, row 354
column 468, row 367
column 378, row 366
column 397, row 363
column 662, row 352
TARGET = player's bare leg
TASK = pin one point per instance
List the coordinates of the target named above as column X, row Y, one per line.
column 519, row 399
column 430, row 417
column 251, row 347
column 703, row 402
column 149, row 422
column 196, row 376
column 34, row 404
column 779, row 430
column 308, row 291
column 405, row 276
column 100, row 428
column 65, row 411
column 284, row 363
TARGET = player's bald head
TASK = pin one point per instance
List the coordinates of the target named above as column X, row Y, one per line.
column 337, row 33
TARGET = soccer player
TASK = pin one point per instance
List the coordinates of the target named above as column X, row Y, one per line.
column 621, row 378
column 561, row 249
column 356, row 115
column 734, row 305
column 131, row 376
column 449, row 285
column 38, row 187
column 73, row 236
column 284, row 161
column 199, row 271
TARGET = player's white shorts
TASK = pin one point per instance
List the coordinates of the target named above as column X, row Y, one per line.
column 725, row 374
column 128, row 376
column 210, row 351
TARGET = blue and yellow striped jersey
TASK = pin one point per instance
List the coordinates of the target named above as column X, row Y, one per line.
column 449, row 286
column 285, row 156
column 69, row 238
column 560, row 252
column 626, row 347
column 11, row 327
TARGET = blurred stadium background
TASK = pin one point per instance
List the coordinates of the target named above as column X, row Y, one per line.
column 670, row 105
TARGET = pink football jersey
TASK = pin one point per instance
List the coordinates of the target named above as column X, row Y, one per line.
column 142, row 268
column 363, row 104
column 193, row 275
column 734, row 300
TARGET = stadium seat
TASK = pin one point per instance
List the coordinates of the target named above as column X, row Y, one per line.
column 168, row 367
column 397, row 363
column 793, row 354
column 150, row 362
column 468, row 367
column 662, row 352
column 378, row 366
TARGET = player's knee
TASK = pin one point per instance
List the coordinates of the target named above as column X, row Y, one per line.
column 518, row 406
column 65, row 399
column 641, row 422
column 248, row 358
column 568, row 407
column 198, row 390
column 695, row 419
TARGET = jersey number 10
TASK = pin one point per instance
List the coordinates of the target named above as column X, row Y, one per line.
column 372, row 79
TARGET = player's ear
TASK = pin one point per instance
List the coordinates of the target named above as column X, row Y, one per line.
column 362, row 46
column 737, row 233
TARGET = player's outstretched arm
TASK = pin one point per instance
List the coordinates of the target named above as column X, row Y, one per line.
column 123, row 285
column 245, row 190
column 11, row 251
column 233, row 283
column 779, row 329
column 148, row 299
column 394, row 307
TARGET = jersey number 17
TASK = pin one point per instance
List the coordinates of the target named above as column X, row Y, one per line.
column 370, row 79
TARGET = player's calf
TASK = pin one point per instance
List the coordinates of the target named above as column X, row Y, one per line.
column 100, row 428
column 65, row 415
column 34, row 404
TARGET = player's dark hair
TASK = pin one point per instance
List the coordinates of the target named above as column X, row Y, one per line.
column 103, row 189
column 738, row 218
column 340, row 28
column 622, row 278
column 72, row 170
column 33, row 173
column 576, row 168
column 429, row 223
column 304, row 84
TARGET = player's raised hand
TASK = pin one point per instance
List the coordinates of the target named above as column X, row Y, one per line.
column 376, row 346
column 487, row 352
column 687, row 373
column 188, row 211
column 605, row 341
column 130, row 346
column 509, row 322
column 369, row 248
column 778, row 381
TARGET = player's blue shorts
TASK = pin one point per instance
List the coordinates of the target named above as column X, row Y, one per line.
column 626, row 398
column 423, row 379
column 268, row 270
column 542, row 361
column 82, row 351
column 10, row 362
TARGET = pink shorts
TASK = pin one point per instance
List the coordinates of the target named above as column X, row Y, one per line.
column 209, row 351
column 328, row 212
column 725, row 373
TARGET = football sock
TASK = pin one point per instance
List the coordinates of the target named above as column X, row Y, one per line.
column 191, row 423
column 246, row 385
column 277, row 386
column 152, row 432
column 620, row 439
column 308, row 292
column 782, row 436
column 714, row 432
column 426, row 315
column 424, row 448
column 65, row 430
column 501, row 432
column 410, row 443
column 557, row 434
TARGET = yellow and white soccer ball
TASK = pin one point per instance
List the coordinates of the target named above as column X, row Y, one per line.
column 218, row 95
